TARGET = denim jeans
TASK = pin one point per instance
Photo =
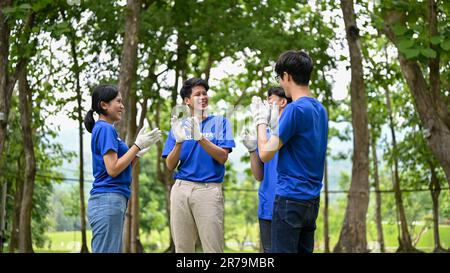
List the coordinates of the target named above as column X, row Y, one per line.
column 293, row 225
column 265, row 233
column 106, row 214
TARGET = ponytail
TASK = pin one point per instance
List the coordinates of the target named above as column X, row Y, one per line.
column 89, row 121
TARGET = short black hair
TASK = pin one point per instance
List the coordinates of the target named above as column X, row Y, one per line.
column 186, row 89
column 298, row 64
column 278, row 91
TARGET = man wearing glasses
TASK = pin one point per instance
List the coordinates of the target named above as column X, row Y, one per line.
column 301, row 143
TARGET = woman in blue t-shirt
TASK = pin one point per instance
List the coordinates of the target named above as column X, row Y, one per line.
column 112, row 161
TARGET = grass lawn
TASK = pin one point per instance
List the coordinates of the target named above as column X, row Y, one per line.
column 70, row 241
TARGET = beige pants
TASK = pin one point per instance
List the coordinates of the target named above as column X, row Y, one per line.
column 197, row 211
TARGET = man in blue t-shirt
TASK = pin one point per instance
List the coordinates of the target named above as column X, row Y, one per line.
column 266, row 172
column 301, row 142
column 198, row 146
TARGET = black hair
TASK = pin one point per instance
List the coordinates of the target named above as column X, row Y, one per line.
column 298, row 64
column 104, row 92
column 186, row 89
column 278, row 91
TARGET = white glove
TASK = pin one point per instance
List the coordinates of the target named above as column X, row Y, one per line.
column 145, row 139
column 249, row 140
column 178, row 130
column 273, row 120
column 260, row 111
column 142, row 152
column 193, row 126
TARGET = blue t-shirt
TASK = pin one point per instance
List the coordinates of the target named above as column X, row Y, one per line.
column 266, row 191
column 303, row 128
column 105, row 138
column 195, row 163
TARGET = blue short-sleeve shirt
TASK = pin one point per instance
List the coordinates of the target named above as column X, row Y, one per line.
column 195, row 163
column 303, row 129
column 105, row 138
column 266, row 192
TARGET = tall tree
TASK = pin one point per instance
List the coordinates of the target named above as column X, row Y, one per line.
column 127, row 127
column 9, row 78
column 416, row 55
column 25, row 105
column 353, row 233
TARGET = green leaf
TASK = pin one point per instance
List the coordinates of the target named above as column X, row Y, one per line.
column 405, row 44
column 428, row 52
column 446, row 45
column 399, row 29
column 436, row 40
column 411, row 53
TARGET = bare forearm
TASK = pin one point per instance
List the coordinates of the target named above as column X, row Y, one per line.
column 267, row 148
column 219, row 154
column 257, row 166
column 174, row 157
column 114, row 165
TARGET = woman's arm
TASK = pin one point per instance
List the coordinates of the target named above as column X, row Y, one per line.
column 114, row 165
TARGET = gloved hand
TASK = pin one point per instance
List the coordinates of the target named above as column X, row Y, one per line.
column 145, row 139
column 249, row 140
column 260, row 111
column 193, row 126
column 142, row 152
column 273, row 120
column 178, row 130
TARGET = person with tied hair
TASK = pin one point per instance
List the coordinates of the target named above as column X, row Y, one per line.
column 198, row 147
column 112, row 162
column 266, row 172
column 301, row 144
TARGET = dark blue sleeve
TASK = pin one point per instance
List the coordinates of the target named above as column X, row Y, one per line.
column 226, row 140
column 107, row 140
column 170, row 143
column 287, row 124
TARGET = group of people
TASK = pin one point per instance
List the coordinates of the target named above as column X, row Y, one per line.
column 287, row 142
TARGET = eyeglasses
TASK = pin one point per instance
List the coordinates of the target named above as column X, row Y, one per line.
column 278, row 77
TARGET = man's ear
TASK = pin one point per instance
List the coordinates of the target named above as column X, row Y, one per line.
column 283, row 102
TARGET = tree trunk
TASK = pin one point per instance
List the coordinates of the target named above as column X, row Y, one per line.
column 128, row 60
column 136, row 246
column 8, row 80
column 326, row 232
column 127, row 74
column 405, row 243
column 376, row 178
column 429, row 102
column 14, row 242
column 132, row 226
column 435, row 190
column 3, row 194
column 76, row 70
column 25, row 106
column 353, row 234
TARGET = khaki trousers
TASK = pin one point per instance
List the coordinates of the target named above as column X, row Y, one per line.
column 197, row 211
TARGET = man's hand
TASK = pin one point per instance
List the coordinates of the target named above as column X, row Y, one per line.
column 249, row 140
column 178, row 130
column 193, row 125
column 260, row 111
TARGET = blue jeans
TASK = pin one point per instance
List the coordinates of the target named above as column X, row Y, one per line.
column 293, row 225
column 265, row 232
column 106, row 214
